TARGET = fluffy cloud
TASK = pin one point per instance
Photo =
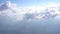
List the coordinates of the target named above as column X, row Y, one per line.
column 10, row 9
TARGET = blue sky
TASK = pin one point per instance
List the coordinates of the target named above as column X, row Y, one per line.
column 25, row 3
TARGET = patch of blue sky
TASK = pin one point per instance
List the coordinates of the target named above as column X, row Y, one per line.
column 26, row 3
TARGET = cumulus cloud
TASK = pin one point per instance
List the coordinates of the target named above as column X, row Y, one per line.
column 11, row 10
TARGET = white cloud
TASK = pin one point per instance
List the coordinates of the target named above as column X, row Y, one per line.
column 11, row 10
column 33, row 12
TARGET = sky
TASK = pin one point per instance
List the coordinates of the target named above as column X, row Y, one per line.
column 26, row 3
column 30, row 21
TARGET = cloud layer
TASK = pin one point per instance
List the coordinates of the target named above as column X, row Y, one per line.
column 11, row 10
column 30, row 20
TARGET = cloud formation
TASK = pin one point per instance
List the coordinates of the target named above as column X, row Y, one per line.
column 30, row 20
column 11, row 10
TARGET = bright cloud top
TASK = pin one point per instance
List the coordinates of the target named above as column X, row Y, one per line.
column 11, row 10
